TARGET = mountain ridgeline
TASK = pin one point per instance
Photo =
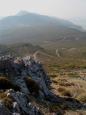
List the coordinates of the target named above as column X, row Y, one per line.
column 35, row 28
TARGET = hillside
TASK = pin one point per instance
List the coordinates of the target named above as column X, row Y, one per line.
column 34, row 28
column 32, row 19
column 20, row 49
column 63, row 56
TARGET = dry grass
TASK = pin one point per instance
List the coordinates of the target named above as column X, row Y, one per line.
column 60, row 89
column 74, row 86
column 6, row 100
column 70, row 84
column 82, row 97
column 73, row 74
column 70, row 112
column 66, row 92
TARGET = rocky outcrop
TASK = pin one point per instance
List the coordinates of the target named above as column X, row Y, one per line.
column 18, row 70
column 21, row 103
column 4, row 110
column 28, row 75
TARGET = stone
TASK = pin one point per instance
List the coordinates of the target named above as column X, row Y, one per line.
column 4, row 110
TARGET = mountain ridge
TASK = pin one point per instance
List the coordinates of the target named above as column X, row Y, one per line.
column 32, row 27
column 26, row 16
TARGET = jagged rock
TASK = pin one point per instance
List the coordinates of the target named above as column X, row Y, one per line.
column 20, row 69
column 4, row 110
column 35, row 70
column 22, row 104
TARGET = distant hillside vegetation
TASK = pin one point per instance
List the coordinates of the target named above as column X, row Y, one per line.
column 20, row 49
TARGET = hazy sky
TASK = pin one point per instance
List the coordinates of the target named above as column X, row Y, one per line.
column 61, row 8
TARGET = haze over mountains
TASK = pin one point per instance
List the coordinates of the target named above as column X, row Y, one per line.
column 79, row 21
column 31, row 19
column 35, row 28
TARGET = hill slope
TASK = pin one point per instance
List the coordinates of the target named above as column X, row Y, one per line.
column 19, row 49
column 29, row 27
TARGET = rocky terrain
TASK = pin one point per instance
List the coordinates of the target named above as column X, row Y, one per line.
column 25, row 89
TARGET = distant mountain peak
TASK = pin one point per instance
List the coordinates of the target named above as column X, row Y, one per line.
column 22, row 13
